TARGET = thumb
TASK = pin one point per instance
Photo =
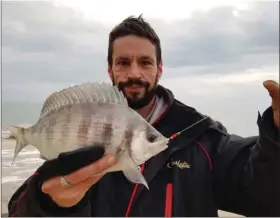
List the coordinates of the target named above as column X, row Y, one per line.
column 272, row 87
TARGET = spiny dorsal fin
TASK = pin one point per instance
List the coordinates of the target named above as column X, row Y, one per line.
column 85, row 92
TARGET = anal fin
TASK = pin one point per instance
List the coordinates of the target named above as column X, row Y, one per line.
column 132, row 173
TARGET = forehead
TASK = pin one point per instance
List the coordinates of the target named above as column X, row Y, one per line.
column 133, row 46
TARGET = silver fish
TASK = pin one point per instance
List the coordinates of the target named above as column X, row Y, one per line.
column 88, row 114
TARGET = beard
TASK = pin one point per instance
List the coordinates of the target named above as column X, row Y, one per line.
column 135, row 102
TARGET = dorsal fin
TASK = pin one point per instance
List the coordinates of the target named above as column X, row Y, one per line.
column 85, row 92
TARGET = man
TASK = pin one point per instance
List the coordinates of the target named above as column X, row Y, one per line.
column 204, row 168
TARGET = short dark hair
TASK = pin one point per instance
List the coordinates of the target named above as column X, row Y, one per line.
column 134, row 26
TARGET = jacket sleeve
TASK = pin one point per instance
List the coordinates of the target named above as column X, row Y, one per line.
column 30, row 201
column 247, row 171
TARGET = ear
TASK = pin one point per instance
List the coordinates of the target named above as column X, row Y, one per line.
column 110, row 72
column 159, row 70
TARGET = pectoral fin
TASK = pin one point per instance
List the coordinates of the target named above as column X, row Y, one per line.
column 132, row 173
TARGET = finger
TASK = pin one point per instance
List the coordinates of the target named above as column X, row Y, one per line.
column 83, row 187
column 90, row 170
column 71, row 196
column 60, row 188
column 81, row 174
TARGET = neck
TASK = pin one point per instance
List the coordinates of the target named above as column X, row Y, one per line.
column 144, row 111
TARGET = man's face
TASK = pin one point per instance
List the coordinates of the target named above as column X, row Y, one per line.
column 134, row 69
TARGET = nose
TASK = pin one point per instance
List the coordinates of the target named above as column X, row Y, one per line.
column 135, row 71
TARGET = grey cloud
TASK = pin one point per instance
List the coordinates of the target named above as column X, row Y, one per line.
column 218, row 38
column 47, row 47
column 43, row 43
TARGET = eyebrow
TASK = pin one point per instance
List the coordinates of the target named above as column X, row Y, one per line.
column 128, row 58
column 146, row 57
column 122, row 58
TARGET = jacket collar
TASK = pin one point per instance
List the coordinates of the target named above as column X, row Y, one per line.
column 168, row 99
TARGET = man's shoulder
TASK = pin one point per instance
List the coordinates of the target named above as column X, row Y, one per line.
column 181, row 111
column 183, row 107
column 178, row 108
column 179, row 115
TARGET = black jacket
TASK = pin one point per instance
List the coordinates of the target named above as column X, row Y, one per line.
column 203, row 170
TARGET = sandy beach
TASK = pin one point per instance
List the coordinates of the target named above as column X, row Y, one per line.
column 24, row 166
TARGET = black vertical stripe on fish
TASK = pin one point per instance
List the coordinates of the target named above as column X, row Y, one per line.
column 128, row 136
column 49, row 129
column 82, row 134
column 66, row 127
column 107, row 133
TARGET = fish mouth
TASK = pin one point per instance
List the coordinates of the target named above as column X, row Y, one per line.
column 164, row 142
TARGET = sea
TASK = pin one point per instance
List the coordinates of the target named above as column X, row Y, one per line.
column 19, row 113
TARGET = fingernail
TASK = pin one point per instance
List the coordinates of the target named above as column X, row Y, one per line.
column 111, row 160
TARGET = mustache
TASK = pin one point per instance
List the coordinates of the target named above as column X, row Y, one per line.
column 133, row 82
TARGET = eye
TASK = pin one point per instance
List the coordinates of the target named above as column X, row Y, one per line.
column 151, row 137
column 123, row 62
column 145, row 62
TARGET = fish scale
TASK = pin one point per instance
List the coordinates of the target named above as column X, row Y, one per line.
column 92, row 114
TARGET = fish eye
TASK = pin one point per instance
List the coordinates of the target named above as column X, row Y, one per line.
column 151, row 137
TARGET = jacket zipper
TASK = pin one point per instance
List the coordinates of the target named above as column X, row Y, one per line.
column 168, row 200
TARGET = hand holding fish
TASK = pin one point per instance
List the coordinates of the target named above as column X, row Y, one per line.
column 273, row 89
column 80, row 180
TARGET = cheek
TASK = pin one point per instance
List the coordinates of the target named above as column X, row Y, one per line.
column 119, row 77
column 151, row 76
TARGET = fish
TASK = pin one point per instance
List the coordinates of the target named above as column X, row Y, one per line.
column 88, row 114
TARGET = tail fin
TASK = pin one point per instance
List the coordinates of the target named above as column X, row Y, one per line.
column 18, row 133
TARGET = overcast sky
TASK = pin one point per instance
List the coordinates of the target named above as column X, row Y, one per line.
column 216, row 54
